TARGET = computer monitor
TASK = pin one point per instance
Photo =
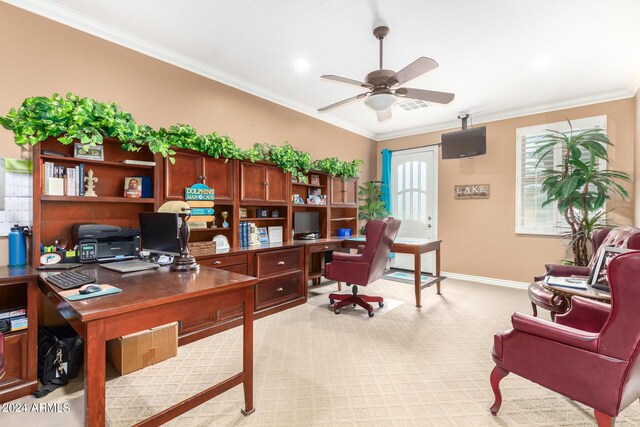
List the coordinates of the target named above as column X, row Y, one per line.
column 159, row 232
column 306, row 222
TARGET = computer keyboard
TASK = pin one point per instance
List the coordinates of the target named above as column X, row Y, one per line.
column 70, row 279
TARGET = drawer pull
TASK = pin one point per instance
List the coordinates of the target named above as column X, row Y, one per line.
column 279, row 289
column 50, row 295
column 326, row 247
column 217, row 262
column 280, row 262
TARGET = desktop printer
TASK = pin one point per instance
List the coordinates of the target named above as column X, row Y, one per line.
column 99, row 242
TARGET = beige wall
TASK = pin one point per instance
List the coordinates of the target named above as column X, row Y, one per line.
column 41, row 57
column 479, row 235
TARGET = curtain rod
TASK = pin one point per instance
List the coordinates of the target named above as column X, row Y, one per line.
column 415, row 148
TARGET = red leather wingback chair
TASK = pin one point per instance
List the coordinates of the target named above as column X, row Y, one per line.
column 621, row 237
column 589, row 355
column 2, row 359
column 367, row 266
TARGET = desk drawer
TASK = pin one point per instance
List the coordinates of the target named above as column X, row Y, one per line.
column 325, row 247
column 277, row 262
column 226, row 260
column 277, row 290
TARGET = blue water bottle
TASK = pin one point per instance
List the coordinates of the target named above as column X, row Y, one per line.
column 17, row 246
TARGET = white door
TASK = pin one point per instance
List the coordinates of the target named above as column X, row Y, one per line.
column 414, row 200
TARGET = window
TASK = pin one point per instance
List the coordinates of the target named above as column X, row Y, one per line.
column 531, row 217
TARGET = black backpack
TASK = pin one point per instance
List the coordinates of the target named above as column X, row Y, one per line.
column 60, row 356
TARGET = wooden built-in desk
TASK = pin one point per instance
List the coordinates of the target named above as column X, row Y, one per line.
column 149, row 299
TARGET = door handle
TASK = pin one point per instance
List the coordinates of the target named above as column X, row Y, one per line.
column 217, row 262
column 279, row 290
column 428, row 225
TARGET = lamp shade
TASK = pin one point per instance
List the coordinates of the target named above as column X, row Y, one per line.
column 177, row 206
column 380, row 101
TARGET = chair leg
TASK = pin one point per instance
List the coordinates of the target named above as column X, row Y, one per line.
column 535, row 309
column 496, row 376
column 604, row 420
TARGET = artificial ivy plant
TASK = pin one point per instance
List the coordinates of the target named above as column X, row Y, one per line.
column 88, row 121
column 578, row 185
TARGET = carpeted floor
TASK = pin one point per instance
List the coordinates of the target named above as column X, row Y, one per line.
column 408, row 366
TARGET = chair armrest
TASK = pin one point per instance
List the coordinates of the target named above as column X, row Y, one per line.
column 585, row 314
column 560, row 270
column 1, row 343
column 554, row 332
column 345, row 257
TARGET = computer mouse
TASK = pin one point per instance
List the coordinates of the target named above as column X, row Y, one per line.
column 90, row 289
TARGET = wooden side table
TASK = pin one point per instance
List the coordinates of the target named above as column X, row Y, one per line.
column 562, row 296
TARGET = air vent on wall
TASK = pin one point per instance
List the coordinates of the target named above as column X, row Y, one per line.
column 413, row 105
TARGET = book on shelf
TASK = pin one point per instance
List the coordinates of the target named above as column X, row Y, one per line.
column 80, row 176
column 137, row 162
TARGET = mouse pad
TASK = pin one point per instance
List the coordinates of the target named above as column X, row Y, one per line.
column 75, row 295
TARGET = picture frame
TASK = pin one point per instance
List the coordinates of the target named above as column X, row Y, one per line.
column 133, row 187
column 263, row 235
column 243, row 213
column 315, row 196
column 314, row 180
column 87, row 152
column 598, row 276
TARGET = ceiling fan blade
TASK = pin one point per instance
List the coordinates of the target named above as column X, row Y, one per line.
column 384, row 115
column 425, row 95
column 416, row 68
column 346, row 80
column 343, row 102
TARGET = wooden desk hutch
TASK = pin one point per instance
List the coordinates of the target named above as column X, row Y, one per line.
column 282, row 269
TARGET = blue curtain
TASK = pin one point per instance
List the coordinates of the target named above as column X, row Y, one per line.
column 386, row 178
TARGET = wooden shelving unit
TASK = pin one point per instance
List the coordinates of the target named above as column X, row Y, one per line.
column 99, row 199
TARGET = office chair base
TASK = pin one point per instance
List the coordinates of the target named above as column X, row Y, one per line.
column 342, row 300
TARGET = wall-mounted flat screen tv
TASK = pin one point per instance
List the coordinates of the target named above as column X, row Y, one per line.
column 464, row 143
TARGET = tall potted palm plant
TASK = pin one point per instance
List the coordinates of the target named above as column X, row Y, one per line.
column 580, row 184
column 372, row 206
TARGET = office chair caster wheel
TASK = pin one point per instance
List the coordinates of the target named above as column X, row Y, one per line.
column 332, row 301
column 354, row 304
column 380, row 304
column 371, row 314
column 337, row 311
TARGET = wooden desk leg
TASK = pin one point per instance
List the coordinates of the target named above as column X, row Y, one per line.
column 438, row 271
column 94, row 374
column 247, row 354
column 418, row 276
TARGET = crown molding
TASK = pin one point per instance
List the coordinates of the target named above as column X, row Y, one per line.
column 78, row 21
column 504, row 115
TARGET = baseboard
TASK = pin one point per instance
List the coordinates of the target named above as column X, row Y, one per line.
column 487, row 280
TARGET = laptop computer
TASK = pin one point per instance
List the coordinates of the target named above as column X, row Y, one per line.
column 130, row 266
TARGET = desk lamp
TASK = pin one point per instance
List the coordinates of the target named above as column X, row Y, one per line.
column 184, row 262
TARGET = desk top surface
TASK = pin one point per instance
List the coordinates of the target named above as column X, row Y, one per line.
column 147, row 288
column 17, row 273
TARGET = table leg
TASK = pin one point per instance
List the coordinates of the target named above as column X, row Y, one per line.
column 438, row 271
column 247, row 354
column 418, row 276
column 94, row 374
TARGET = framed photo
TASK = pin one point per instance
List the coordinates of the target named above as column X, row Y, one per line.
column 243, row 212
column 314, row 180
column 133, row 187
column 598, row 276
column 315, row 196
column 82, row 151
column 263, row 236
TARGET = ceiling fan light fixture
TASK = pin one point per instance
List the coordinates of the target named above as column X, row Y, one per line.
column 380, row 101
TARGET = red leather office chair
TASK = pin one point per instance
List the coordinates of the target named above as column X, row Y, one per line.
column 367, row 266
column 622, row 237
column 590, row 354
column 3, row 364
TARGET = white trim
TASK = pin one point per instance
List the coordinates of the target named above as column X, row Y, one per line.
column 484, row 118
column 486, row 280
column 104, row 31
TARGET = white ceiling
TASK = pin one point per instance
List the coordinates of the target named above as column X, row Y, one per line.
column 502, row 58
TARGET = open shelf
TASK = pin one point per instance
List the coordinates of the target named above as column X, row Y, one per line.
column 343, row 219
column 53, row 158
column 98, row 199
column 280, row 218
column 309, row 205
column 192, row 230
column 308, row 185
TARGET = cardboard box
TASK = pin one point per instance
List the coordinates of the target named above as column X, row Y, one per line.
column 136, row 351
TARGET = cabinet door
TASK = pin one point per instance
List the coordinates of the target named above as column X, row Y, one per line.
column 252, row 182
column 277, row 185
column 350, row 192
column 15, row 354
column 219, row 177
column 180, row 175
column 337, row 193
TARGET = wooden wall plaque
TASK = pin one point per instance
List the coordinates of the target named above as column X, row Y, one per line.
column 471, row 191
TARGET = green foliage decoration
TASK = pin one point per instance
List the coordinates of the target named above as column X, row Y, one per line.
column 578, row 185
column 372, row 206
column 88, row 121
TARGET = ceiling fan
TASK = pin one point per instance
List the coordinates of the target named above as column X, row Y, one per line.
column 383, row 84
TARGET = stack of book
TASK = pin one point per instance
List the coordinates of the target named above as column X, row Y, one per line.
column 248, row 234
column 13, row 320
column 61, row 181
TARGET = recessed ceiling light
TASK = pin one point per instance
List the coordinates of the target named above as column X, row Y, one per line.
column 301, row 65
